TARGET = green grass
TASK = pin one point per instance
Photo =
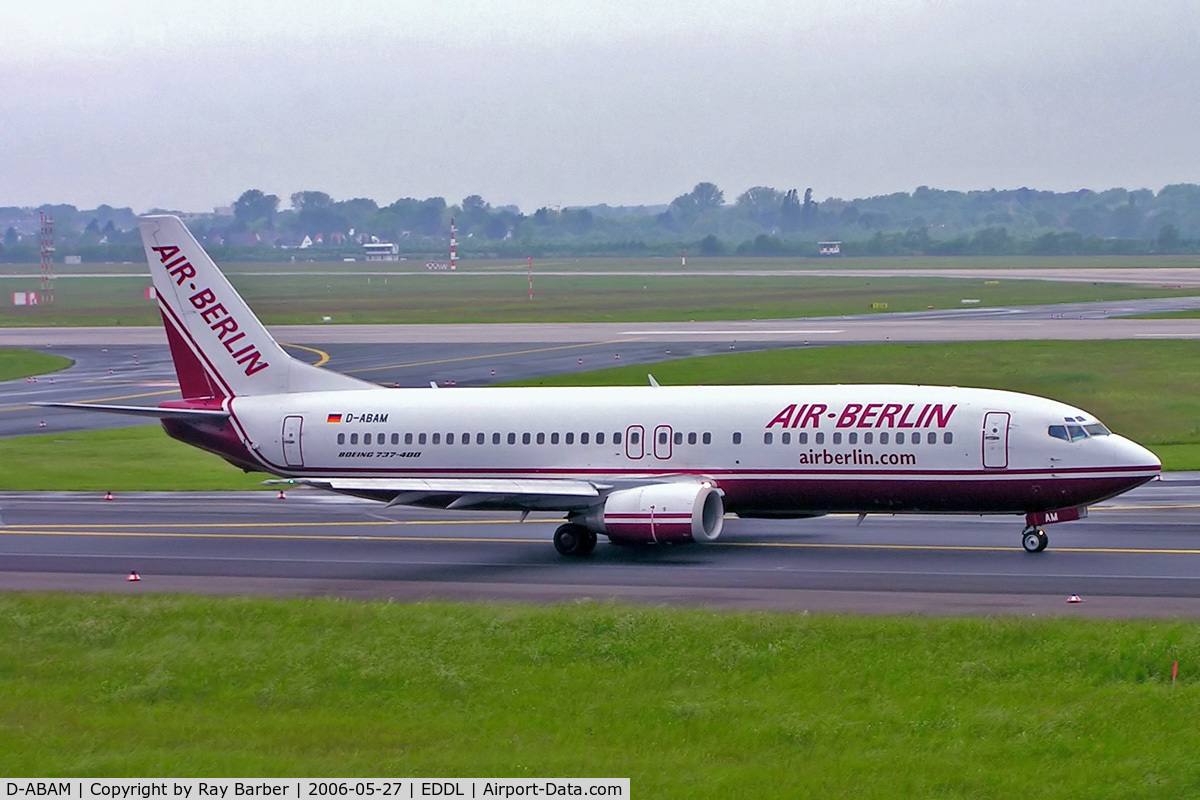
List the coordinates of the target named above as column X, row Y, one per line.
column 474, row 298
column 140, row 458
column 1146, row 390
column 17, row 363
column 687, row 704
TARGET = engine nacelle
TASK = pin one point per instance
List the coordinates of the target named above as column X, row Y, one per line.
column 663, row 512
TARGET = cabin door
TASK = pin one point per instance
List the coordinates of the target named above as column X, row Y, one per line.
column 995, row 439
column 663, row 446
column 292, row 455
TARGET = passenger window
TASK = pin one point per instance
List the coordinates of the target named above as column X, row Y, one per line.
column 785, row 438
column 600, row 438
column 852, row 438
column 617, row 437
column 837, row 438
column 341, row 438
column 868, row 437
column 634, row 437
column 883, row 437
column 466, row 438
column 931, row 438
column 480, row 438
column 948, row 438
column 541, row 438
column 583, row 438
column 526, row 438
column 437, row 439
column 707, row 438
column 354, row 438
column 819, row 438
column 767, row 437
column 366, row 438
column 678, row 438
column 692, row 437
column 449, row 438
column 420, row 438
column 802, row 438
column 662, row 437
column 554, row 438
column 496, row 437
column 900, row 438
column 395, row 438
column 408, row 438
column 737, row 438
column 570, row 438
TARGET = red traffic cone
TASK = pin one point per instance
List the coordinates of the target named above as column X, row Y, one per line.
column 108, row 496
column 1074, row 599
column 42, row 424
column 282, row 496
column 133, row 576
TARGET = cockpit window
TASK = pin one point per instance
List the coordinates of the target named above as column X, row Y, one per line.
column 1073, row 431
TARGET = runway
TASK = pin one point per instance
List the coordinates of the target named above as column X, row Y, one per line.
column 1137, row 556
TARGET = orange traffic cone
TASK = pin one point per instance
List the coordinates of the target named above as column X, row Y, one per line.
column 282, row 496
column 108, row 496
column 1074, row 599
column 133, row 576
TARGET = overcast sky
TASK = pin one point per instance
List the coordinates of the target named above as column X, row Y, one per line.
column 185, row 105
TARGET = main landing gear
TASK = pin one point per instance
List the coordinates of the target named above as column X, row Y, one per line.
column 1034, row 540
column 574, row 540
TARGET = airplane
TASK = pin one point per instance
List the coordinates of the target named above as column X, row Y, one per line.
column 644, row 464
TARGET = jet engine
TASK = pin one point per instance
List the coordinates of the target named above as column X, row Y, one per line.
column 663, row 512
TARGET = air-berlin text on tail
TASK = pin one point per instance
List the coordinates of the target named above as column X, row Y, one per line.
column 213, row 313
column 864, row 415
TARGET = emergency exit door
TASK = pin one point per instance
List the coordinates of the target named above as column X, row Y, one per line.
column 995, row 440
column 292, row 455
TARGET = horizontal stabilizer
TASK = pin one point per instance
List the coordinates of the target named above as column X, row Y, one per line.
column 144, row 411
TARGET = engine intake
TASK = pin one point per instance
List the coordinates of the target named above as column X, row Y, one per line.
column 664, row 512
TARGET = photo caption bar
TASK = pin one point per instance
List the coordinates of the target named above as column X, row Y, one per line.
column 311, row 788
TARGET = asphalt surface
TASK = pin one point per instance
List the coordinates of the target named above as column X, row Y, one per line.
column 1137, row 556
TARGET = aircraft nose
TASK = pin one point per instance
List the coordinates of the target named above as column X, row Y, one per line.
column 1128, row 453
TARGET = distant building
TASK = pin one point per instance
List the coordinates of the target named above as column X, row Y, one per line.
column 381, row 251
column 830, row 248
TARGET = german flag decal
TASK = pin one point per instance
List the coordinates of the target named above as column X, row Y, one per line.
column 334, row 418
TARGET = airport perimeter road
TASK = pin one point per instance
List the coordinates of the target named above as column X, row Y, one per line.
column 1138, row 556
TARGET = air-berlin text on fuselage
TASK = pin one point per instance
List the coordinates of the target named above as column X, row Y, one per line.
column 864, row 415
column 212, row 312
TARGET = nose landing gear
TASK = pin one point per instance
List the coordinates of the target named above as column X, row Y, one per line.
column 1034, row 540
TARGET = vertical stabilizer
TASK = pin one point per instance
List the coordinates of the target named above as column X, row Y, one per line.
column 219, row 347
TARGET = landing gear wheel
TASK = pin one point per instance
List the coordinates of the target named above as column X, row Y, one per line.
column 1034, row 541
column 574, row 540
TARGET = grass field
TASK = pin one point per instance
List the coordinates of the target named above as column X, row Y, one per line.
column 470, row 263
column 1146, row 390
column 17, row 363
column 687, row 704
column 475, row 298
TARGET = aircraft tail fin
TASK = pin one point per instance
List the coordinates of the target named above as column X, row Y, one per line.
column 219, row 346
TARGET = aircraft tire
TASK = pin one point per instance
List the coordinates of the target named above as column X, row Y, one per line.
column 574, row 540
column 1034, row 541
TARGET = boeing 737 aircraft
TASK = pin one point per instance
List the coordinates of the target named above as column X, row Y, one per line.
column 636, row 464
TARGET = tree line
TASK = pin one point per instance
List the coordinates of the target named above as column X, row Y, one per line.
column 761, row 221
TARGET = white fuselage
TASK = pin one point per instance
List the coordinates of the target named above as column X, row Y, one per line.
column 772, row 450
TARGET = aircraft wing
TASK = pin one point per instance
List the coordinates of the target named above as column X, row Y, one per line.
column 451, row 493
column 143, row 411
